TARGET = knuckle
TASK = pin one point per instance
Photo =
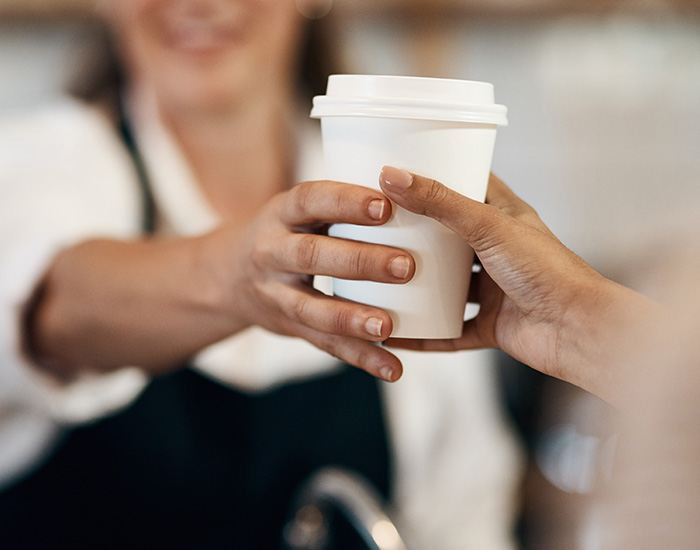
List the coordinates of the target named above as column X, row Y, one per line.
column 261, row 255
column 483, row 230
column 349, row 200
column 512, row 210
column 530, row 217
column 363, row 358
column 358, row 263
column 518, row 210
column 307, row 252
column 341, row 321
column 348, row 354
column 342, row 198
column 523, row 212
column 481, row 238
column 298, row 308
column 364, row 264
column 300, row 197
column 435, row 192
column 530, row 210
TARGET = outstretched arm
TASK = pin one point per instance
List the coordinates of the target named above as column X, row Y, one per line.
column 540, row 302
column 104, row 304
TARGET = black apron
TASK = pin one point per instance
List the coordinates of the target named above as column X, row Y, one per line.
column 194, row 464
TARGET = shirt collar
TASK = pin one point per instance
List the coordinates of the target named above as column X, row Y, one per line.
column 181, row 207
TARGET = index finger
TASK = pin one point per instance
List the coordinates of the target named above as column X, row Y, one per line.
column 323, row 202
column 504, row 198
column 470, row 219
column 499, row 194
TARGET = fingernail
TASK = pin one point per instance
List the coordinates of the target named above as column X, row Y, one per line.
column 373, row 326
column 399, row 267
column 376, row 209
column 395, row 179
column 387, row 373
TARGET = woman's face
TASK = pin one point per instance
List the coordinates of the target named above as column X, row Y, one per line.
column 211, row 54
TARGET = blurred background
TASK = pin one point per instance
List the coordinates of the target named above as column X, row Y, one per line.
column 604, row 141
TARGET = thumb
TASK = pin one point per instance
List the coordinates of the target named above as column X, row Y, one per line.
column 468, row 218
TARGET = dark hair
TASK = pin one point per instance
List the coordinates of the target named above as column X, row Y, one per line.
column 101, row 74
column 319, row 58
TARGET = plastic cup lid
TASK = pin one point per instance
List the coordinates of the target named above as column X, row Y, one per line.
column 409, row 97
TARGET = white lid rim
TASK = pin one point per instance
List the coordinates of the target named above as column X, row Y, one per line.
column 325, row 106
column 405, row 78
column 468, row 118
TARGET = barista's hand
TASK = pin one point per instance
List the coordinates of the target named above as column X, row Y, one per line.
column 286, row 245
column 156, row 302
column 539, row 301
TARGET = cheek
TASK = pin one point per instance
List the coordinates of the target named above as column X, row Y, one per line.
column 136, row 26
column 123, row 13
column 280, row 31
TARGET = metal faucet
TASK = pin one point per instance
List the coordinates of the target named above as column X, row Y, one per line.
column 339, row 489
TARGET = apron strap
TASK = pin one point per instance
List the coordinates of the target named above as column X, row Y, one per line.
column 147, row 200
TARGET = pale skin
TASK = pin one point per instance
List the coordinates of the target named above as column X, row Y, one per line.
column 200, row 290
column 540, row 302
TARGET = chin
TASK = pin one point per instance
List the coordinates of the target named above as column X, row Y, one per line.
column 202, row 97
column 221, row 85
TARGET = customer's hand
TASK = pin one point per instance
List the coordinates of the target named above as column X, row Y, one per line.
column 287, row 244
column 539, row 302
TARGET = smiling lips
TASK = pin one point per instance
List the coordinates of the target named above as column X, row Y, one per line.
column 204, row 30
column 201, row 36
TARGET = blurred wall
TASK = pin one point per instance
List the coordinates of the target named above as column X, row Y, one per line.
column 37, row 59
column 604, row 111
column 604, row 135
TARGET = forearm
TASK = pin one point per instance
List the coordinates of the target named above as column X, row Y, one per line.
column 104, row 304
column 607, row 338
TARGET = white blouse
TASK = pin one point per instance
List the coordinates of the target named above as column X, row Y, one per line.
column 65, row 177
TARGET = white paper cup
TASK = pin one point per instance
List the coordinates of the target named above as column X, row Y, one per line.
column 439, row 128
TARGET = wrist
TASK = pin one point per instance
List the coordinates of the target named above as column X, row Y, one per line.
column 604, row 337
column 219, row 268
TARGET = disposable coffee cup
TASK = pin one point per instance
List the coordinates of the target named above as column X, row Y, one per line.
column 440, row 128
